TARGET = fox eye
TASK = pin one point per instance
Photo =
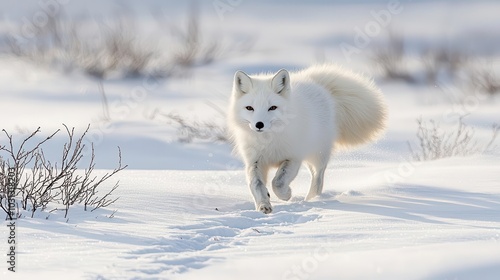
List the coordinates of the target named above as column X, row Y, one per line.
column 272, row 108
column 249, row 108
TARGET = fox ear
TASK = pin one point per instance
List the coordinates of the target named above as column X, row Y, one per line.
column 242, row 82
column 281, row 82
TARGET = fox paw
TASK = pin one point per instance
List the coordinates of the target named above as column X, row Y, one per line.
column 311, row 195
column 282, row 192
column 265, row 207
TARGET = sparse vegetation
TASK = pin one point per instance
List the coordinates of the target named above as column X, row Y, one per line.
column 434, row 142
column 432, row 64
column 390, row 59
column 114, row 48
column 442, row 64
column 191, row 47
column 188, row 131
column 485, row 80
column 42, row 182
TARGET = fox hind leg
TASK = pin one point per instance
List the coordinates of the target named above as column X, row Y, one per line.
column 284, row 176
column 317, row 168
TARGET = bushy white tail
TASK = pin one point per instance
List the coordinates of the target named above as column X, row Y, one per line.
column 360, row 108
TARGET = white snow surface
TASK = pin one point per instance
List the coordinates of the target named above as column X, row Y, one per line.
column 185, row 211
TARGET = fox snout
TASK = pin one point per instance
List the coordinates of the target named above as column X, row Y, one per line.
column 258, row 126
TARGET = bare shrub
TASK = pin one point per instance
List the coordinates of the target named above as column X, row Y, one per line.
column 192, row 48
column 390, row 58
column 442, row 63
column 90, row 183
column 43, row 40
column 20, row 159
column 116, row 50
column 485, row 80
column 7, row 197
column 436, row 143
column 431, row 64
column 188, row 131
column 53, row 182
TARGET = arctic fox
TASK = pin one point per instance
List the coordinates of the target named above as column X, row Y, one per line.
column 284, row 119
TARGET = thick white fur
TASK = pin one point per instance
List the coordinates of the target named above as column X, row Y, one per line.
column 315, row 110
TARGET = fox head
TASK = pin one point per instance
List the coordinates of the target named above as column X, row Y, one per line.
column 260, row 102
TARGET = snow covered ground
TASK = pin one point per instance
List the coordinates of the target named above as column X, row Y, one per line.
column 441, row 222
column 184, row 211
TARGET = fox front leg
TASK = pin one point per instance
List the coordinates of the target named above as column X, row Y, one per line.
column 284, row 176
column 256, row 177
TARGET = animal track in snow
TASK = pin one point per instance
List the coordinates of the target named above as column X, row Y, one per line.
column 185, row 248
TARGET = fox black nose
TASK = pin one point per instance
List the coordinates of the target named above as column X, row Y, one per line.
column 259, row 125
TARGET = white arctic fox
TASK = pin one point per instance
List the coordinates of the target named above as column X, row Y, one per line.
column 284, row 119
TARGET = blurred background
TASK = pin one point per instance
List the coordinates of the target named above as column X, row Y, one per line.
column 154, row 77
